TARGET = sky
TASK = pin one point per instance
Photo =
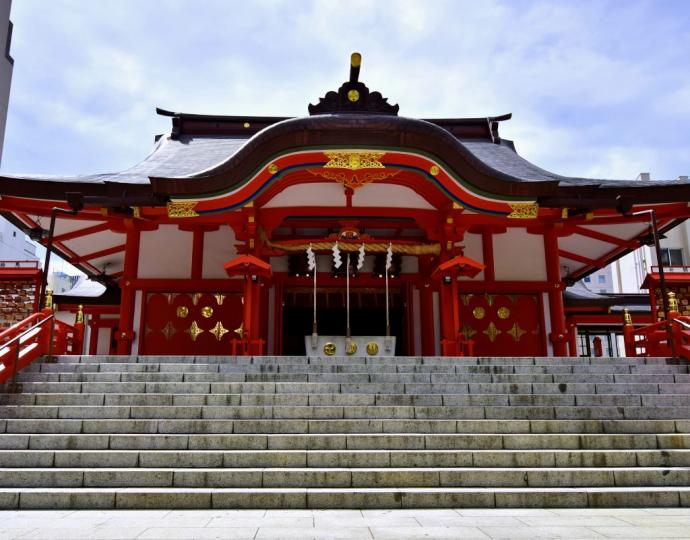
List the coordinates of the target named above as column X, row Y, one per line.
column 596, row 88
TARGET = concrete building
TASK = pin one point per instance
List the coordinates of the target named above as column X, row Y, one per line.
column 13, row 243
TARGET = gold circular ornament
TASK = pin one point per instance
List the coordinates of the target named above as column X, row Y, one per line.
column 207, row 312
column 246, row 125
column 351, row 348
column 434, row 170
column 182, row 311
column 353, row 95
column 478, row 312
column 329, row 348
column 273, row 168
column 503, row 313
column 372, row 348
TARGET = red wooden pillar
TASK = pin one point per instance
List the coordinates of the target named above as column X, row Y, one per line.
column 125, row 331
column 197, row 252
column 559, row 333
column 572, row 338
column 449, row 314
column 426, row 310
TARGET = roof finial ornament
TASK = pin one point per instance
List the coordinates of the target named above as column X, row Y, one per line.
column 353, row 96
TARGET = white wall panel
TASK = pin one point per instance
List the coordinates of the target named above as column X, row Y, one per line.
column 519, row 256
column 219, row 248
column 165, row 253
column 473, row 250
column 389, row 196
column 316, row 194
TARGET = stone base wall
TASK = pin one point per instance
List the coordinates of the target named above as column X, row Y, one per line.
column 16, row 301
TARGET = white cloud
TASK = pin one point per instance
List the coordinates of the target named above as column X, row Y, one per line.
column 596, row 88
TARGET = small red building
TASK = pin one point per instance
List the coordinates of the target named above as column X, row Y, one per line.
column 205, row 238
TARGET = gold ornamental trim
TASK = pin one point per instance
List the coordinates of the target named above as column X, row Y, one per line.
column 354, row 160
column 503, row 312
column 183, row 209
column 207, row 312
column 372, row 348
column 523, row 210
column 329, row 348
column 352, row 180
column 182, row 311
column 219, row 298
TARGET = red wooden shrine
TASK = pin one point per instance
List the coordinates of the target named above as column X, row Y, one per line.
column 204, row 242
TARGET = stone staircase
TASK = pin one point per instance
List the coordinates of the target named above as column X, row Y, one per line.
column 296, row 432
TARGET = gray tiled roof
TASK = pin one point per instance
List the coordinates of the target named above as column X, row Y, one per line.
column 184, row 156
column 195, row 155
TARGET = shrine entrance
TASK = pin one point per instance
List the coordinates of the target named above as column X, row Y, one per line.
column 367, row 315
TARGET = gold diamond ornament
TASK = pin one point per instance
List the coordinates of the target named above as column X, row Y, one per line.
column 516, row 332
column 492, row 332
column 219, row 330
column 194, row 330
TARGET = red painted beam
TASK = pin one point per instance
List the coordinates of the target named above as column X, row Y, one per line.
column 79, row 233
column 601, row 236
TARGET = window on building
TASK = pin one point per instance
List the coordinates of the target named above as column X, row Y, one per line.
column 672, row 257
column 601, row 279
column 588, row 279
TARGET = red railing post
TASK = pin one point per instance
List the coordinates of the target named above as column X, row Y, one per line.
column 628, row 334
column 78, row 338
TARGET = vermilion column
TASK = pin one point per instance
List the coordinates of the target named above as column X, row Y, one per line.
column 449, row 315
column 426, row 310
column 125, row 331
column 559, row 333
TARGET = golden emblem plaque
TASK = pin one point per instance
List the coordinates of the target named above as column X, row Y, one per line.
column 329, row 348
column 351, row 348
column 372, row 348
column 503, row 313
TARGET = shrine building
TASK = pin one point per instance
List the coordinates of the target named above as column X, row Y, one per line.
column 202, row 245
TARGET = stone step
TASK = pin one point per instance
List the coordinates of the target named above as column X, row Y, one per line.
column 307, row 477
column 352, row 388
column 516, row 407
column 391, row 360
column 301, row 419
column 184, row 440
column 339, row 498
column 321, row 368
column 343, row 458
column 350, row 378
column 344, row 400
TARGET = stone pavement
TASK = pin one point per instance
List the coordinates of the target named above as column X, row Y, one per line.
column 371, row 524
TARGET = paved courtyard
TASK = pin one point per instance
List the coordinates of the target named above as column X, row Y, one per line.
column 371, row 524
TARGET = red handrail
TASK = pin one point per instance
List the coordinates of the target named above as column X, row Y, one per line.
column 663, row 338
column 38, row 335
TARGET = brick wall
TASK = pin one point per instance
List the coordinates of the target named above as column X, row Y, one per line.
column 16, row 301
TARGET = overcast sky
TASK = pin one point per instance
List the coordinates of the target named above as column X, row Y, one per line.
column 596, row 88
